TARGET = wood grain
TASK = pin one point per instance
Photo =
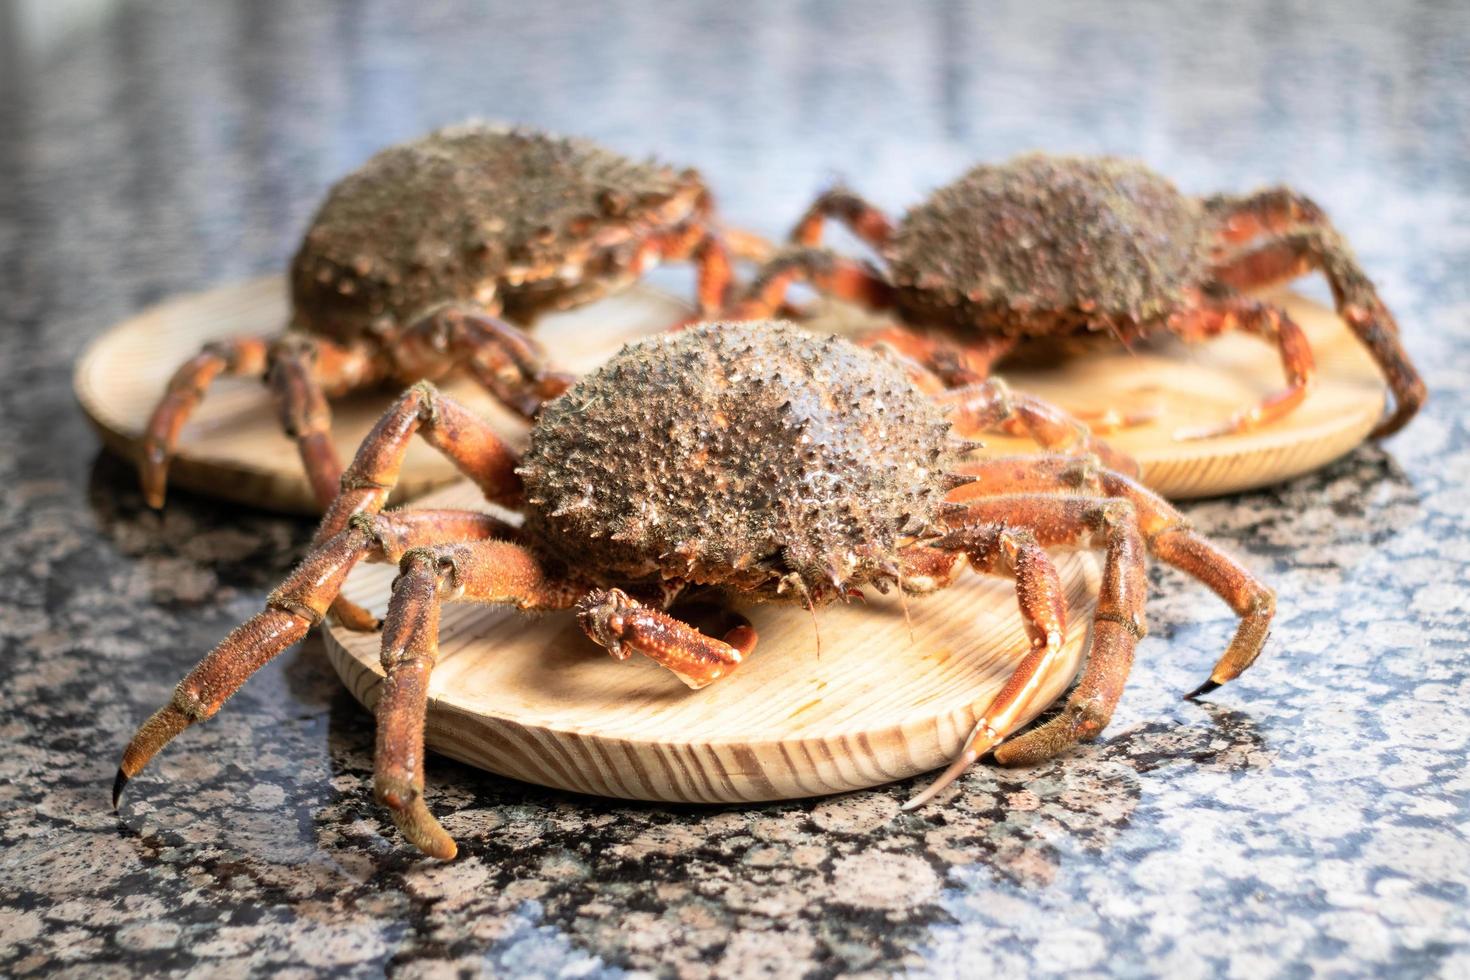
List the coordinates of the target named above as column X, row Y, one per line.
column 881, row 700
column 234, row 449
column 1193, row 385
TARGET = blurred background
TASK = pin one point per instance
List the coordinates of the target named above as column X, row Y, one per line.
column 1312, row 820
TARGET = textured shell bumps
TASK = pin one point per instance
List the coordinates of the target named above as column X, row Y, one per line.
column 466, row 211
column 751, row 455
column 1043, row 238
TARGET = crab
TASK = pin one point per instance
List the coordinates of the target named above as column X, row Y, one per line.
column 411, row 259
column 1058, row 247
column 751, row 460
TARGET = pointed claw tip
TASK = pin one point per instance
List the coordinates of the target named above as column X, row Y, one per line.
column 153, row 496
column 1203, row 689
column 118, row 782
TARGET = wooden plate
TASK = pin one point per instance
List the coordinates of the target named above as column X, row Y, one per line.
column 233, row 447
column 881, row 700
column 1188, row 386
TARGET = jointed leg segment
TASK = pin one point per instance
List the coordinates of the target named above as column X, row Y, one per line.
column 237, row 357
column 1299, row 240
column 998, row 549
column 615, row 620
column 1166, row 532
column 291, row 610
column 485, row 571
column 827, row 272
column 506, row 361
column 865, row 220
column 1017, row 507
column 991, row 405
column 1270, row 323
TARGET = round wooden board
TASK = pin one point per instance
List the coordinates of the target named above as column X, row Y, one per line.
column 534, row 698
column 1186, row 386
column 233, row 446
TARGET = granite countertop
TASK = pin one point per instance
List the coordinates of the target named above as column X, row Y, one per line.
column 1311, row 817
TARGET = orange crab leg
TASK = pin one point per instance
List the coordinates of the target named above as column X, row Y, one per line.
column 865, row 220
column 506, row 360
column 1272, row 324
column 953, row 364
column 487, row 571
column 1118, row 621
column 237, row 356
column 1356, row 300
column 1270, row 211
column 290, row 611
column 1001, row 550
column 826, row 272
column 302, row 370
column 617, row 621
column 991, row 405
column 710, row 255
column 463, row 437
column 1166, row 532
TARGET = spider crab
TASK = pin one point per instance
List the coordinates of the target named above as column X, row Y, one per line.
column 408, row 264
column 1048, row 246
column 751, row 459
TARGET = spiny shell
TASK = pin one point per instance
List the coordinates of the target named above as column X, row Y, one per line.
column 1042, row 239
column 738, row 454
column 462, row 211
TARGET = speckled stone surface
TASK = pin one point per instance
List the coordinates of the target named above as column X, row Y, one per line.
column 1311, row 817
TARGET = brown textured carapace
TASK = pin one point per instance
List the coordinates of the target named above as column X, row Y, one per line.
column 757, row 458
column 1048, row 246
column 412, row 258
column 749, row 459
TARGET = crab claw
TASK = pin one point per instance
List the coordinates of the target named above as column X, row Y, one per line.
column 617, row 621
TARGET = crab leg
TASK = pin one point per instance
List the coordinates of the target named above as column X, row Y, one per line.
column 1271, row 323
column 1118, row 622
column 706, row 249
column 303, row 371
column 463, row 437
column 826, row 272
column 488, row 572
column 991, row 405
column 617, row 621
column 953, row 365
column 997, row 549
column 746, row 244
column 237, row 356
column 1165, row 530
column 1270, row 211
column 865, row 220
column 290, row 611
column 506, row 361
column 1357, row 302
